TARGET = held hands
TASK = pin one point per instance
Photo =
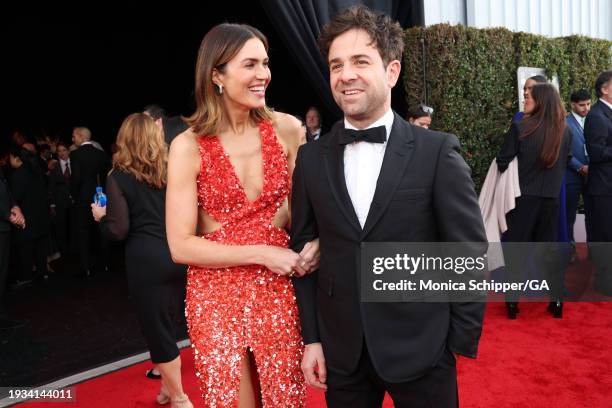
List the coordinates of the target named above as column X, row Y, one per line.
column 285, row 262
column 98, row 212
column 311, row 256
column 313, row 366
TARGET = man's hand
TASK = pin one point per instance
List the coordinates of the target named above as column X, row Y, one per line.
column 584, row 170
column 310, row 256
column 17, row 217
column 313, row 366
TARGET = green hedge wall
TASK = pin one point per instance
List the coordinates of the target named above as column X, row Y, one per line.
column 471, row 78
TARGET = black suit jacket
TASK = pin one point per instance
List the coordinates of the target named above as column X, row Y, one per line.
column 89, row 169
column 30, row 192
column 424, row 193
column 598, row 139
column 173, row 126
column 6, row 204
column 59, row 188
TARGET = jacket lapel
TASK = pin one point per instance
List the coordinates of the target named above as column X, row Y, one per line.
column 575, row 124
column 397, row 155
column 334, row 167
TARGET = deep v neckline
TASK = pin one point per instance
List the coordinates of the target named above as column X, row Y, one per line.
column 234, row 175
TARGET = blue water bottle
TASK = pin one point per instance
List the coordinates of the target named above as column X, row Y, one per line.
column 100, row 197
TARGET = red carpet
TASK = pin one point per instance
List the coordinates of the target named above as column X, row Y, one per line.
column 534, row 361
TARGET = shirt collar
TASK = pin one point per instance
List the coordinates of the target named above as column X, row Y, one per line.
column 386, row 120
column 579, row 118
column 606, row 102
column 86, row 143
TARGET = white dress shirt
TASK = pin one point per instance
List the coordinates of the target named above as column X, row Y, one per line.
column 63, row 164
column 362, row 163
column 579, row 119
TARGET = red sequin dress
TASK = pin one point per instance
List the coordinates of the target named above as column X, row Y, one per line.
column 230, row 310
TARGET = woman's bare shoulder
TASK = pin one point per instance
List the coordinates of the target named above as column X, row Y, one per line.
column 186, row 142
column 289, row 128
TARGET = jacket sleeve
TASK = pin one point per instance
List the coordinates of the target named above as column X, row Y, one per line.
column 509, row 148
column 303, row 230
column 6, row 201
column 596, row 135
column 459, row 220
column 116, row 224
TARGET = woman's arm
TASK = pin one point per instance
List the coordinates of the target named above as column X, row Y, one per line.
column 115, row 225
column 509, row 149
column 290, row 134
column 182, row 216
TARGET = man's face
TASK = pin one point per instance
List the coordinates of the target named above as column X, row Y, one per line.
column 606, row 91
column 62, row 152
column 312, row 120
column 423, row 121
column 360, row 83
column 581, row 108
column 76, row 138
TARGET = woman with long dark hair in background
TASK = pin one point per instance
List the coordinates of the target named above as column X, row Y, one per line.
column 541, row 142
column 136, row 189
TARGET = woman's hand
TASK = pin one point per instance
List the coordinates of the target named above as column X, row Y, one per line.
column 311, row 256
column 98, row 212
column 283, row 261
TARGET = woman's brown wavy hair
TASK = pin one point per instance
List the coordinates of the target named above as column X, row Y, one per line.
column 222, row 43
column 142, row 150
column 548, row 115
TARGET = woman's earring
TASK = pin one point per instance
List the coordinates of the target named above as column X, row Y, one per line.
column 220, row 89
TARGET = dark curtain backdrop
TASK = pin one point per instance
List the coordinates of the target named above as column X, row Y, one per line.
column 299, row 23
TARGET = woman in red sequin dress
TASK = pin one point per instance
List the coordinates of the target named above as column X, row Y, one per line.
column 227, row 209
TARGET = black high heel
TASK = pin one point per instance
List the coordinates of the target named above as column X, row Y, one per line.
column 556, row 309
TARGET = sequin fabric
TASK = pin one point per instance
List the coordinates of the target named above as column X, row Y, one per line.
column 230, row 310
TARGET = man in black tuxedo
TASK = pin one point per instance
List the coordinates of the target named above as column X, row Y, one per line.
column 90, row 166
column 598, row 139
column 393, row 183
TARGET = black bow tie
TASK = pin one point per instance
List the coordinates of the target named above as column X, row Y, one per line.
column 372, row 135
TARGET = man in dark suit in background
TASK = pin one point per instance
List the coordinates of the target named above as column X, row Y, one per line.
column 172, row 126
column 61, row 200
column 393, row 182
column 598, row 137
column 578, row 168
column 90, row 165
column 314, row 124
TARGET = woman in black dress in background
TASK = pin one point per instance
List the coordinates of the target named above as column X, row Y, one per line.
column 541, row 142
column 136, row 189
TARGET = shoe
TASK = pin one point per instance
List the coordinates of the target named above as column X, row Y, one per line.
column 182, row 401
column 152, row 375
column 511, row 310
column 556, row 309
